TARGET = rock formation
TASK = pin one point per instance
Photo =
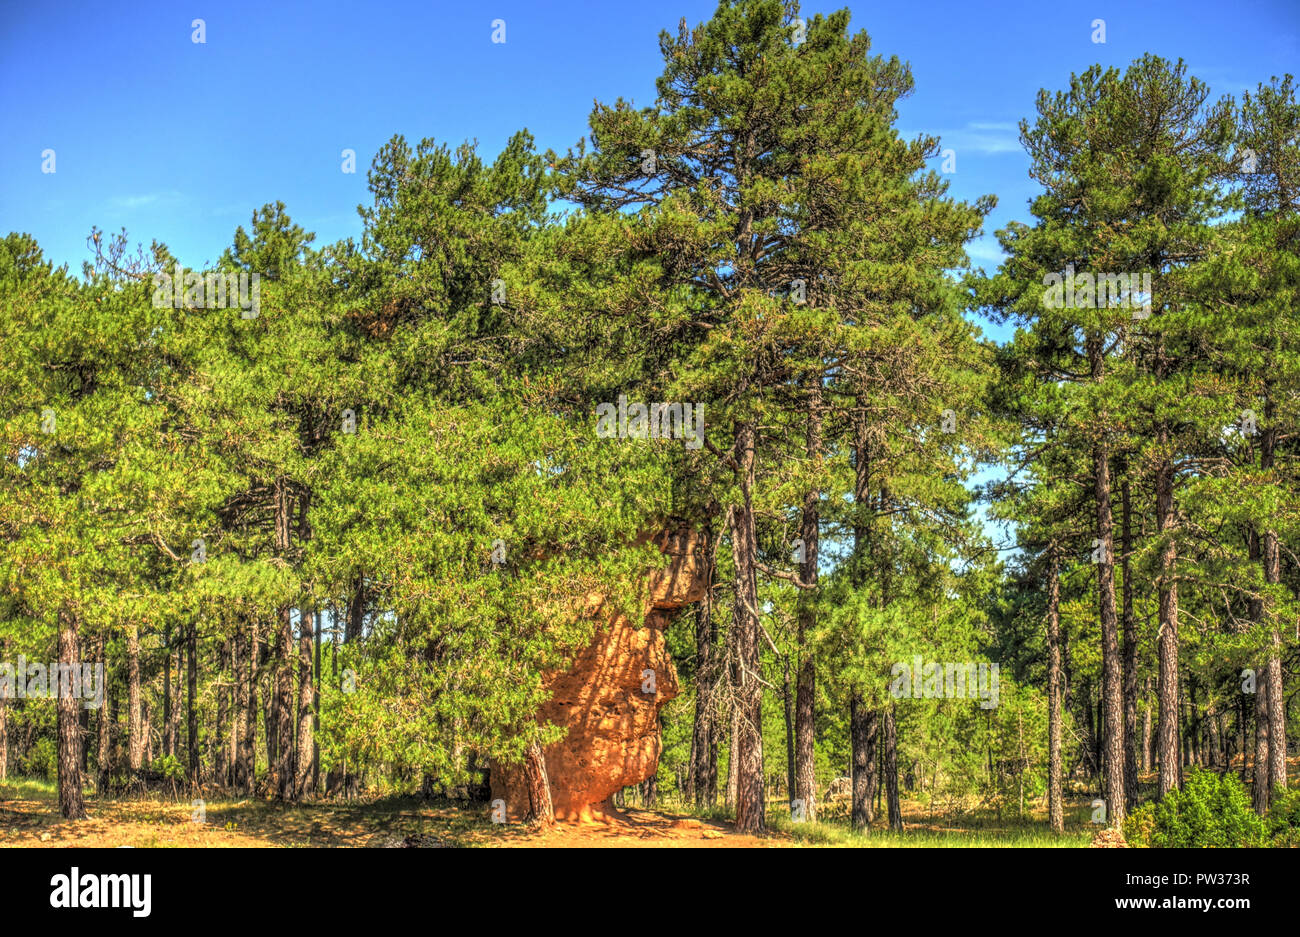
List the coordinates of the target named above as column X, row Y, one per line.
column 603, row 701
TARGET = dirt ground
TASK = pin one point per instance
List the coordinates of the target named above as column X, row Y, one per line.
column 29, row 818
column 144, row 823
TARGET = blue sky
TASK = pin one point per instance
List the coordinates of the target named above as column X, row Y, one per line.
column 181, row 141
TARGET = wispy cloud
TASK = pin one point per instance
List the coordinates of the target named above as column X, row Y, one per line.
column 990, row 138
column 131, row 202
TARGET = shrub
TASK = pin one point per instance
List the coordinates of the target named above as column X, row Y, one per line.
column 42, row 760
column 1211, row 810
column 1139, row 825
column 169, row 767
column 1284, row 819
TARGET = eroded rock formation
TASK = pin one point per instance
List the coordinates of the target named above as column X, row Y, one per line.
column 612, row 740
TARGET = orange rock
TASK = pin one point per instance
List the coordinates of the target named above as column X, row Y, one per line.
column 609, row 700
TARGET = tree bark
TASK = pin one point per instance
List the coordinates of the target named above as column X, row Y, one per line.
column 864, row 730
column 704, row 736
column 539, row 788
column 71, row 802
column 787, row 706
column 4, row 719
column 356, row 610
column 135, row 724
column 1130, row 647
column 805, row 781
column 103, row 727
column 1262, row 783
column 246, row 763
column 191, row 703
column 145, row 718
column 1242, row 719
column 1215, row 746
column 1272, row 560
column 650, row 792
column 315, row 714
column 1112, row 690
column 169, row 725
column 1167, row 646
column 4, row 738
column 1146, row 725
column 284, row 656
column 891, row 771
column 306, row 699
column 1055, row 804
column 222, row 757
column 750, row 805
column 733, row 762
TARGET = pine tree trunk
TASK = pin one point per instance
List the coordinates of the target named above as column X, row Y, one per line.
column 270, row 728
column 650, row 792
column 1055, row 804
column 704, row 735
column 1112, row 689
column 356, row 610
column 891, row 771
column 169, row 726
column 306, row 699
column 239, row 704
column 83, row 719
column 1262, row 779
column 1215, row 746
column 750, row 805
column 1167, row 646
column 191, row 703
column 1243, row 718
column 1272, row 560
column 733, row 762
column 1130, row 649
column 1276, row 724
column 539, row 788
column 103, row 726
column 4, row 719
column 71, row 803
column 284, row 657
column 136, row 726
column 863, row 719
column 864, row 728
column 222, row 758
column 315, row 714
column 145, row 720
column 805, row 781
column 787, row 706
column 246, row 763
column 1146, row 726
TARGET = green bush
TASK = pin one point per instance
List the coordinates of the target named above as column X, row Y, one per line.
column 170, row 767
column 1139, row 825
column 42, row 760
column 1284, row 819
column 1211, row 810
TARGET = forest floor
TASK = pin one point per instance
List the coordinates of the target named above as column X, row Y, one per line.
column 29, row 817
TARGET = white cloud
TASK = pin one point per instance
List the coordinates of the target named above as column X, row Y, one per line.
column 987, row 137
column 131, row 202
